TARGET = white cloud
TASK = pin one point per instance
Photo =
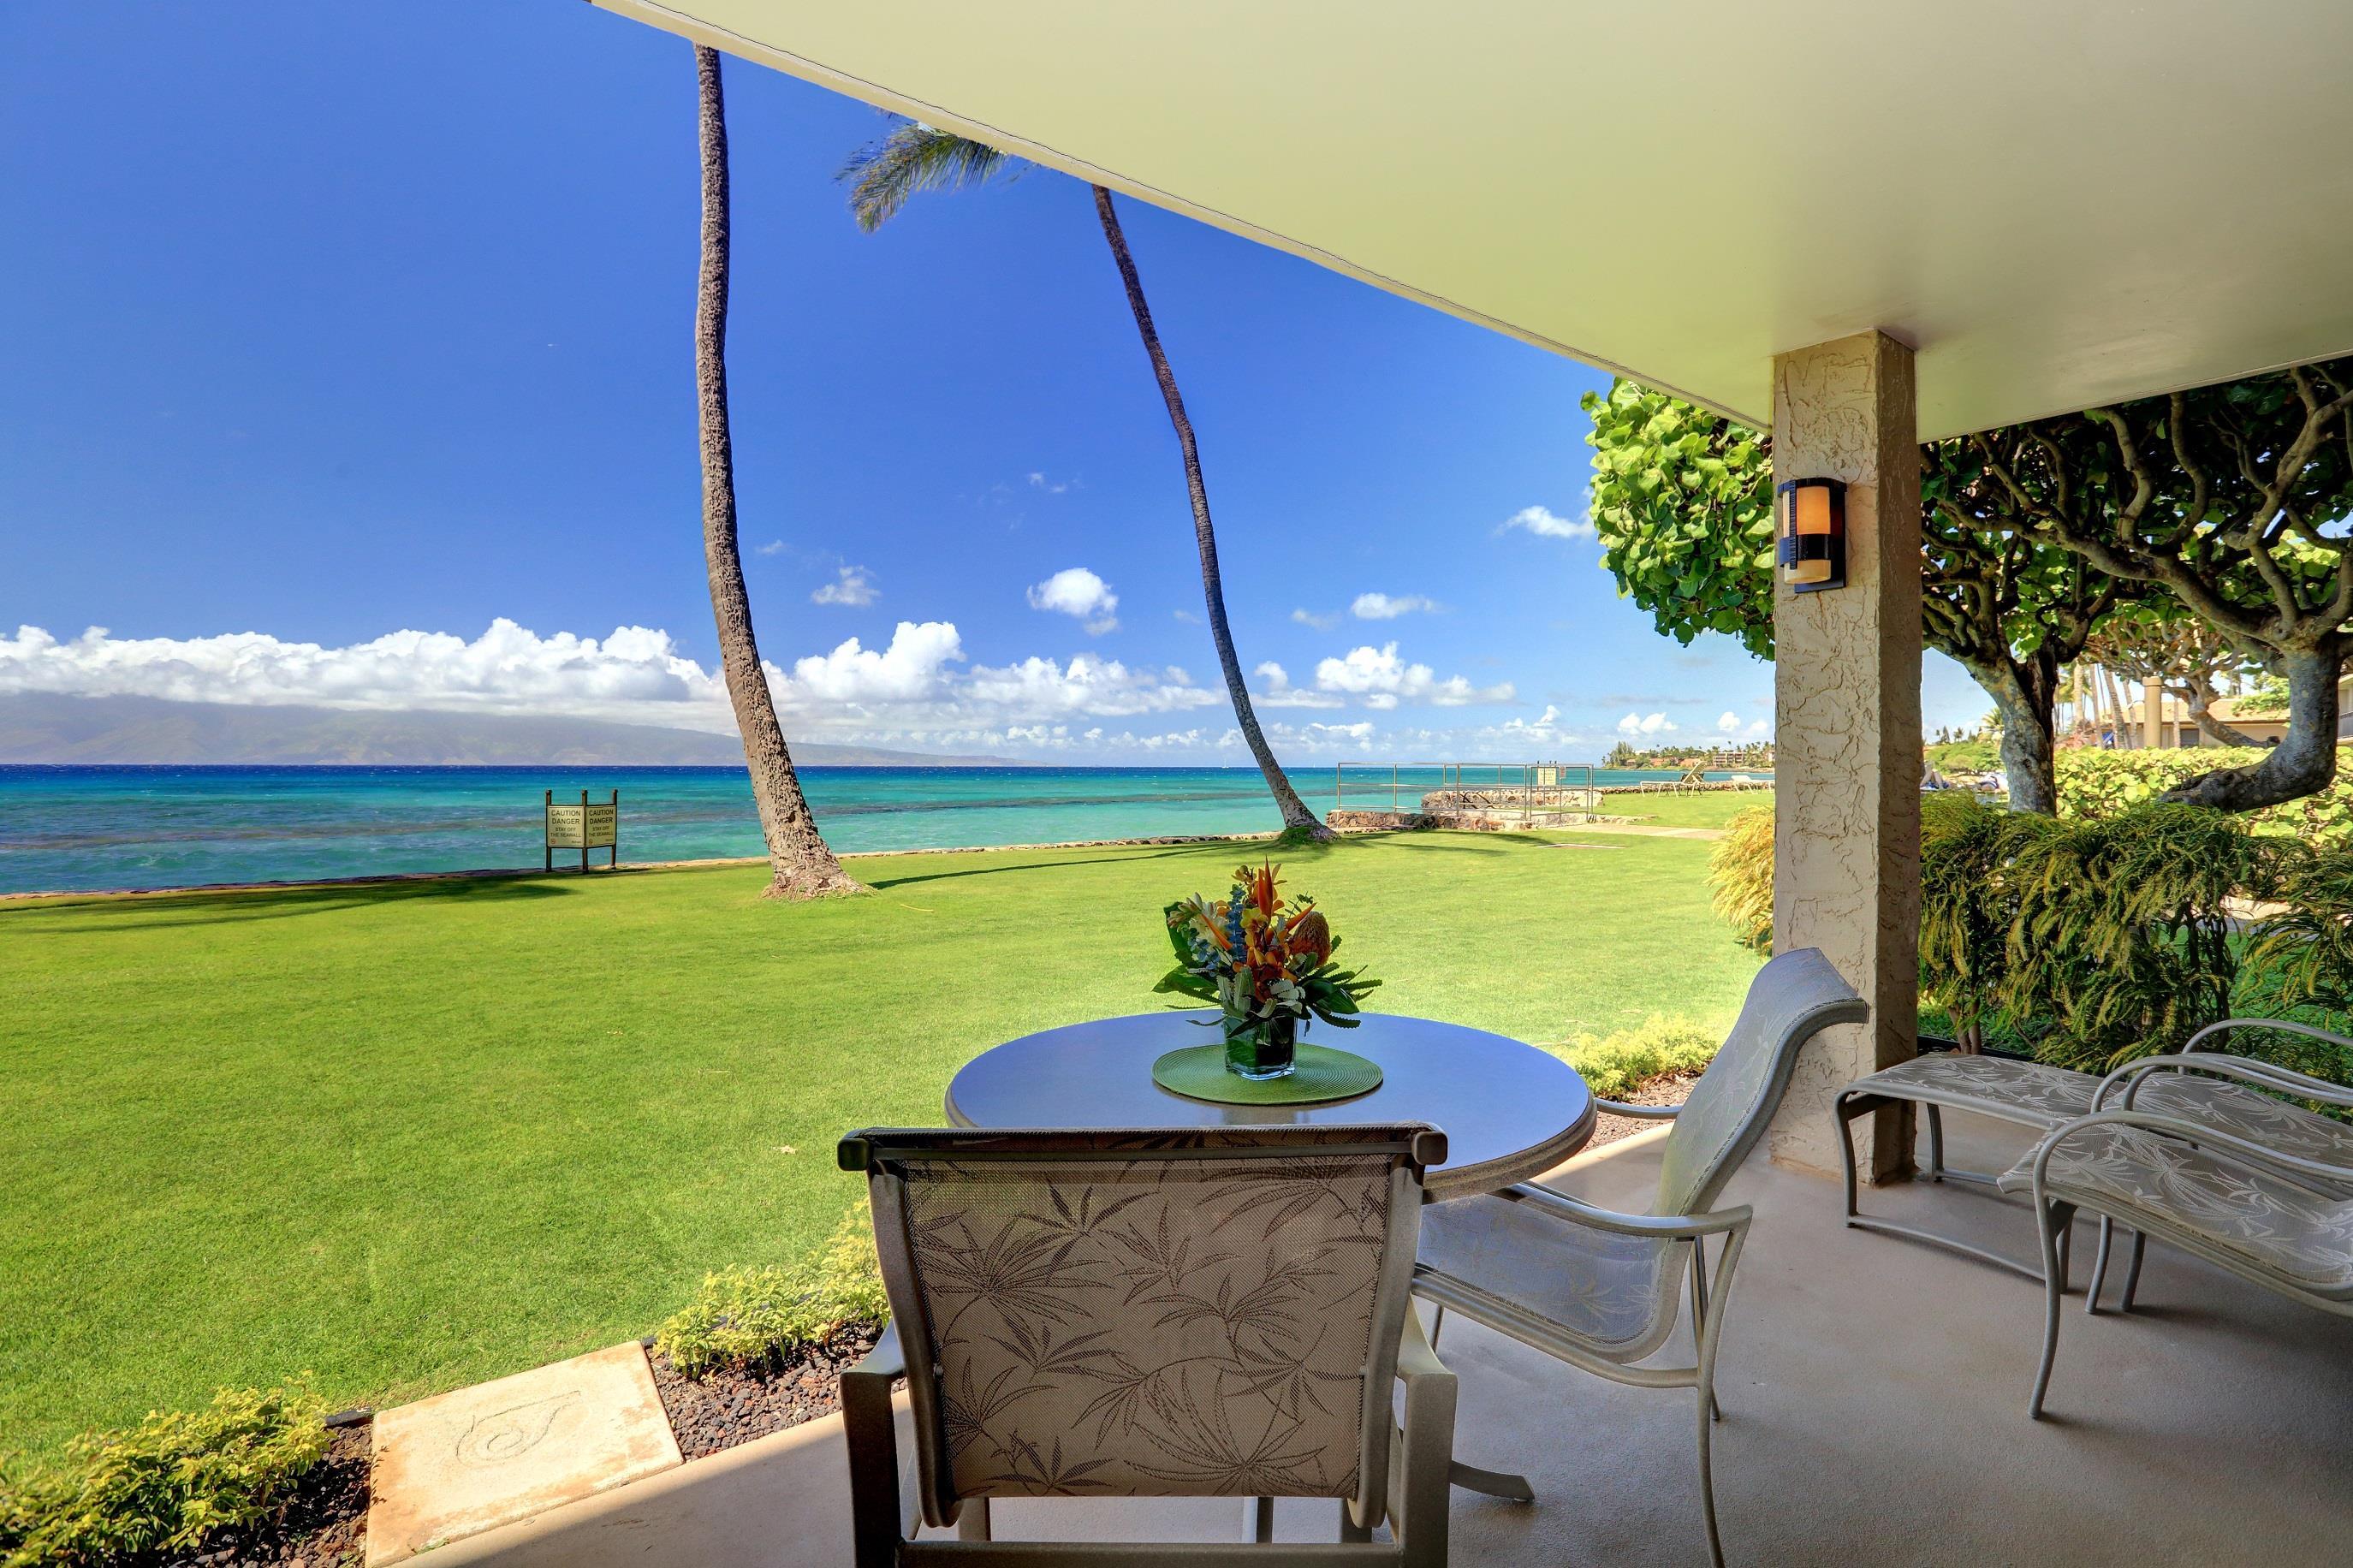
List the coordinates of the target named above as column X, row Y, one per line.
column 1379, row 679
column 1076, row 592
column 850, row 585
column 1547, row 523
column 507, row 669
column 1185, row 617
column 773, row 547
column 1320, row 622
column 1281, row 693
column 1038, row 481
column 1728, row 723
column 1760, row 727
column 918, row 690
column 852, row 674
column 1642, row 725
column 1383, row 607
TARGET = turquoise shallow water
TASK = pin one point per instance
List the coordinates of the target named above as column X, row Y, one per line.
column 85, row 828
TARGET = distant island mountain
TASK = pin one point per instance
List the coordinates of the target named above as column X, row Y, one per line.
column 46, row 727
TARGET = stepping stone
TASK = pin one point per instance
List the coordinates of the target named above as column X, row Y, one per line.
column 463, row 1462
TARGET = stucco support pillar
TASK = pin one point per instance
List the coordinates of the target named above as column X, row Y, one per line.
column 1847, row 762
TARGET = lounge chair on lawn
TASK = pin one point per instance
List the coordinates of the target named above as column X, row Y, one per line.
column 2282, row 1220
column 1176, row 1313
column 2236, row 1095
column 1600, row 1289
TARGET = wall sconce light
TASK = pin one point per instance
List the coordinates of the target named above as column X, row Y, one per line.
column 1810, row 526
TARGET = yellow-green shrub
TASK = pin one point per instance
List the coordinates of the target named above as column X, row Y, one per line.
column 744, row 1315
column 167, row 1485
column 1613, row 1065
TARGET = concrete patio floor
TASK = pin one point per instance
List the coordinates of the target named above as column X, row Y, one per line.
column 1874, row 1396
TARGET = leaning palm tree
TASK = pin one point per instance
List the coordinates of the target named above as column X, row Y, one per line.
column 916, row 157
column 802, row 865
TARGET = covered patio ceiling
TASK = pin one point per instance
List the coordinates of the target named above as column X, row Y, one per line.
column 2058, row 203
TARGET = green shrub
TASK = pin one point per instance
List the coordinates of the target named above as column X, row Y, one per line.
column 1614, row 1065
column 1967, row 909
column 167, row 1486
column 2101, row 783
column 1740, row 869
column 2120, row 943
column 744, row 1316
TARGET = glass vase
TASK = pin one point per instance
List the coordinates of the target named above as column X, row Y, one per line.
column 1260, row 1048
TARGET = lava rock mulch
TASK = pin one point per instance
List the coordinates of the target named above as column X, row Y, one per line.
column 324, row 1525
column 732, row 1405
column 1671, row 1089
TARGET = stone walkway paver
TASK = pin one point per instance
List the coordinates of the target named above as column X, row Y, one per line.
column 463, row 1462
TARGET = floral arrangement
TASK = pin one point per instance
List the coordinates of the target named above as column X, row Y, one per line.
column 1260, row 957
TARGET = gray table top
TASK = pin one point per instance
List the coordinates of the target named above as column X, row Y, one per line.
column 1509, row 1110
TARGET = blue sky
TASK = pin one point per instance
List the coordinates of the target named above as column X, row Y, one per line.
column 328, row 323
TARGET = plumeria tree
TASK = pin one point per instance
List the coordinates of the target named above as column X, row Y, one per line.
column 1683, row 504
column 2231, row 499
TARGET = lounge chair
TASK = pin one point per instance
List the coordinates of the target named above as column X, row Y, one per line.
column 2202, row 1084
column 2284, row 1221
column 1600, row 1289
column 1179, row 1314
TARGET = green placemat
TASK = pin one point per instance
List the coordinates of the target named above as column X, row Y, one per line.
column 1318, row 1072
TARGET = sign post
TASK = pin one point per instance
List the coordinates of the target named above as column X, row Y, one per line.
column 584, row 828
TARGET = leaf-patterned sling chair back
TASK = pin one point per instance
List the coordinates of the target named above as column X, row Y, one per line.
column 1180, row 1313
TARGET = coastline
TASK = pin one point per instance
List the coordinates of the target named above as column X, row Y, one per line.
column 495, row 873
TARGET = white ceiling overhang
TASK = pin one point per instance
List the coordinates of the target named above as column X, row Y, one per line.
column 2059, row 203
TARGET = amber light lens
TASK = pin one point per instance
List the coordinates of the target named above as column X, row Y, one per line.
column 1809, row 547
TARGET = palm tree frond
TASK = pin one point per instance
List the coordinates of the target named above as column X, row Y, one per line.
column 916, row 157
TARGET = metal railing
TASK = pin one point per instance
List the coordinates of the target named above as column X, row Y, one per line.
column 1533, row 793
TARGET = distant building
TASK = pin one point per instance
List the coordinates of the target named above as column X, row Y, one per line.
column 2176, row 728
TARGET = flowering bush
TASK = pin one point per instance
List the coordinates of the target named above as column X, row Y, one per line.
column 1261, row 956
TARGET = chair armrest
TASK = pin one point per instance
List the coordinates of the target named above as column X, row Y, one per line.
column 887, row 1360
column 1663, row 1227
column 1640, row 1112
column 2207, row 1138
column 2267, row 1075
column 2284, row 1025
column 1416, row 1358
column 871, row 1432
column 1417, row 1495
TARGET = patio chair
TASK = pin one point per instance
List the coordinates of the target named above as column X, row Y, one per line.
column 2280, row 1220
column 1177, row 1313
column 2202, row 1084
column 1600, row 1289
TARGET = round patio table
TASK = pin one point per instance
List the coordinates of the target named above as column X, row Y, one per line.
column 1509, row 1110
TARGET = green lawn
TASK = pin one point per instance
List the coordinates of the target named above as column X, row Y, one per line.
column 408, row 1136
column 1709, row 808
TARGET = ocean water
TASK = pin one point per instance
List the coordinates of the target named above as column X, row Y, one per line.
column 87, row 828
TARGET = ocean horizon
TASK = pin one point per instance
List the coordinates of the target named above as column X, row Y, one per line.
column 70, row 827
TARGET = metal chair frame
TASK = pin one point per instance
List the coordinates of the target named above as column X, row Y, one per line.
column 1404, row 1465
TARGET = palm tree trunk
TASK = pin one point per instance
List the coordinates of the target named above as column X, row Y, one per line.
column 1295, row 814
column 802, row 865
column 2122, row 725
